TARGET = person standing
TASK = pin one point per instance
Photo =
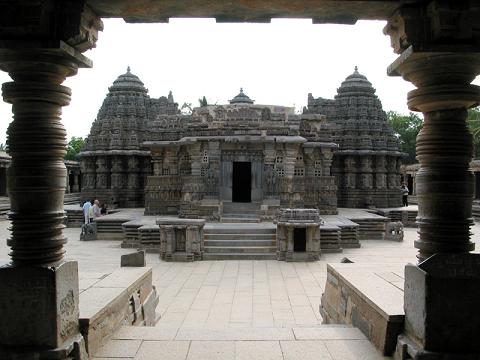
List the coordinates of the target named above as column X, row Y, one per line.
column 96, row 209
column 404, row 190
column 90, row 211
column 86, row 207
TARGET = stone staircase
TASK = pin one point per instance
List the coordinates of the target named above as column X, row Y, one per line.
column 240, row 242
column 235, row 212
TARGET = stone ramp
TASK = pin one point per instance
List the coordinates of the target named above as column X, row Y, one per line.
column 240, row 242
column 305, row 343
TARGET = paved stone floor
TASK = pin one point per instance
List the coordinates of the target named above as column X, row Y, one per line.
column 236, row 309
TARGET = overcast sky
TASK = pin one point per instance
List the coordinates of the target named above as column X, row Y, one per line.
column 277, row 63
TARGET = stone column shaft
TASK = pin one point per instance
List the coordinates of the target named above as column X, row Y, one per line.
column 444, row 147
column 37, row 145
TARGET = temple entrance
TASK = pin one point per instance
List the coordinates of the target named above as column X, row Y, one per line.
column 242, row 182
column 299, row 239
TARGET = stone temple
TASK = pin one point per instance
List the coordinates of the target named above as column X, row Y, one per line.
column 241, row 156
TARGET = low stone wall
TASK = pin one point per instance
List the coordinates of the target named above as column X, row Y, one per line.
column 125, row 297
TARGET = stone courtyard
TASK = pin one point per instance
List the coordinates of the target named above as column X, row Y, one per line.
column 242, row 309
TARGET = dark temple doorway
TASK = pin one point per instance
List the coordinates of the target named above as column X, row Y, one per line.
column 299, row 239
column 242, row 182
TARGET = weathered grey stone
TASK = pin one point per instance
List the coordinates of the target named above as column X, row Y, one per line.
column 298, row 234
column 39, row 305
column 89, row 232
column 394, row 231
column 436, row 292
column 134, row 259
column 292, row 159
column 367, row 163
column 181, row 239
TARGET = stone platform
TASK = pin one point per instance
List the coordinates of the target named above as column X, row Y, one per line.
column 338, row 232
column 367, row 296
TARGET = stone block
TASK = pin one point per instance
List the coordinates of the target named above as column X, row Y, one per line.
column 39, row 305
column 358, row 297
column 394, row 231
column 136, row 259
column 89, row 232
column 441, row 304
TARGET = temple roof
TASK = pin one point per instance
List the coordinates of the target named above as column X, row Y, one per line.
column 356, row 82
column 128, row 82
column 241, row 98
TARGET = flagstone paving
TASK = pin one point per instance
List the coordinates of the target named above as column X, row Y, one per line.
column 238, row 309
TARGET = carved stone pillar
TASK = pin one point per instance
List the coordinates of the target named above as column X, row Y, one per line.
column 39, row 47
column 439, row 46
column 444, row 147
column 38, row 276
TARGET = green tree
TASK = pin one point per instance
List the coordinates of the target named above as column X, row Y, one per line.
column 203, row 102
column 407, row 128
column 473, row 122
column 75, row 145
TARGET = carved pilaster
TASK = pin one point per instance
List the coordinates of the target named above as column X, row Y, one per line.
column 102, row 172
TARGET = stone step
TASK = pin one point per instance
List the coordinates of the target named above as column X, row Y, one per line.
column 240, row 249
column 298, row 334
column 239, row 236
column 239, row 256
column 239, row 220
column 235, row 206
column 240, row 215
column 238, row 230
column 234, row 242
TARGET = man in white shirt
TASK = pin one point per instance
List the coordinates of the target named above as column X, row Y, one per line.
column 86, row 207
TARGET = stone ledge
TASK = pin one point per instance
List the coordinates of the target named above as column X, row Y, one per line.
column 125, row 296
column 363, row 296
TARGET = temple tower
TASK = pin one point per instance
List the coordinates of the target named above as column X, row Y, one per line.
column 114, row 166
column 367, row 163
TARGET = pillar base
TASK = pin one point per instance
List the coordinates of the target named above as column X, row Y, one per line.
column 40, row 310
column 74, row 349
column 442, row 316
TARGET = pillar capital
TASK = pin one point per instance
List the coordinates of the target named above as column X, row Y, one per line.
column 435, row 25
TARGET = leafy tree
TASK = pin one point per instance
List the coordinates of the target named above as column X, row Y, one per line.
column 473, row 121
column 203, row 102
column 75, row 145
column 407, row 128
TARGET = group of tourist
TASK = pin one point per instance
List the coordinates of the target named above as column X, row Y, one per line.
column 92, row 209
